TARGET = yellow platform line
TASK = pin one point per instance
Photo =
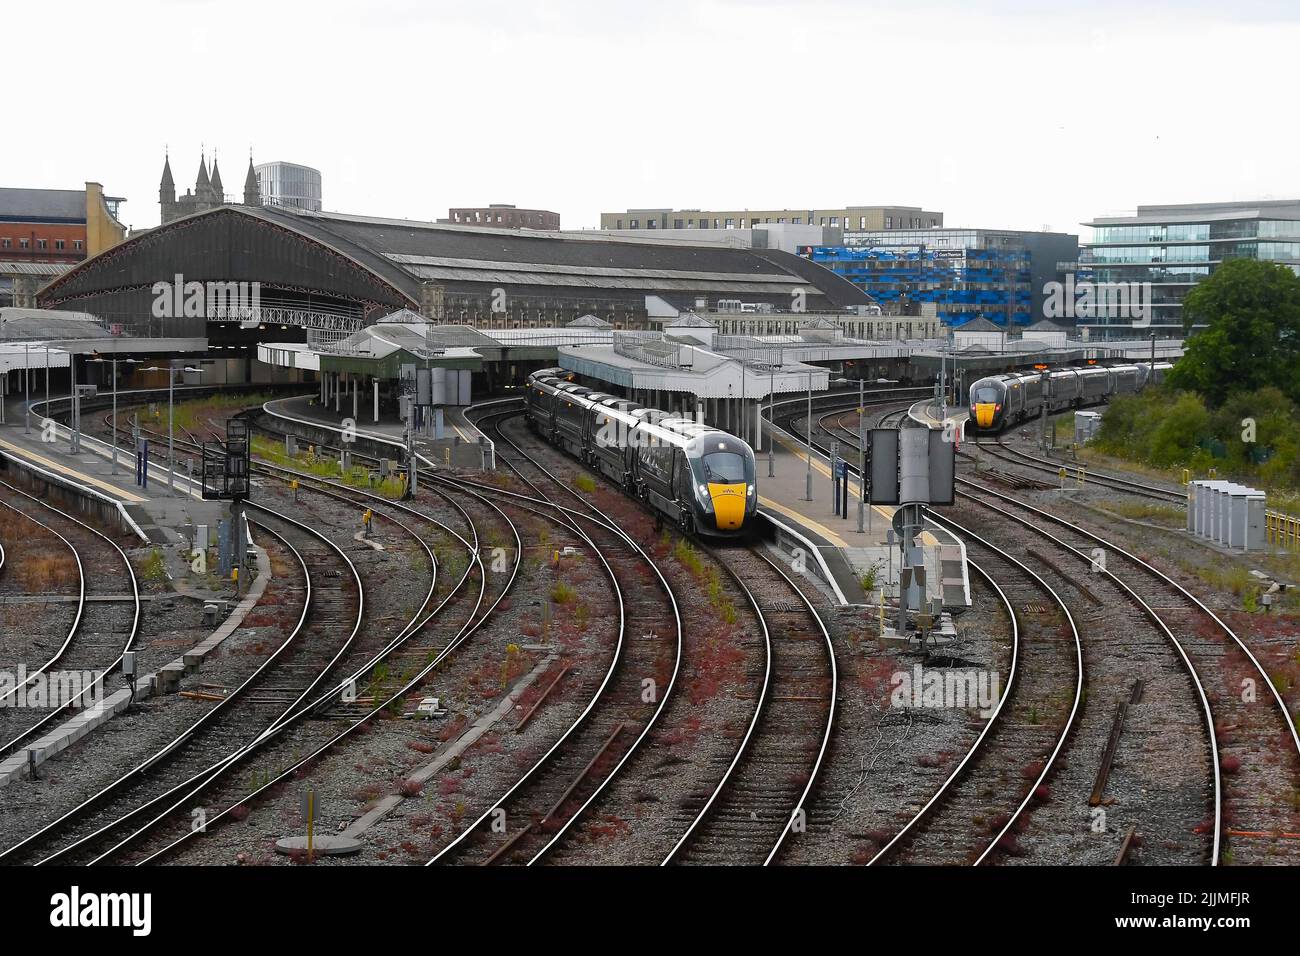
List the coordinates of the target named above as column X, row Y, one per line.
column 803, row 519
column 801, row 452
column 113, row 490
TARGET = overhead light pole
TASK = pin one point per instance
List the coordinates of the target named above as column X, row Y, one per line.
column 129, row 361
column 171, row 371
column 771, row 415
column 807, row 495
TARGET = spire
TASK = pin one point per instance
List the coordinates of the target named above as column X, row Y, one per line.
column 218, row 191
column 202, row 185
column 252, row 192
column 167, row 191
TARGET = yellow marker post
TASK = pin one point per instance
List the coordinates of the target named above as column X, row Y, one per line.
column 293, row 485
column 1062, row 472
column 1187, row 476
column 311, row 821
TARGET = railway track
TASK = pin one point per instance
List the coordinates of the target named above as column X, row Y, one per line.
column 537, row 811
column 1014, row 456
column 1119, row 666
column 1129, row 644
column 331, row 617
column 105, row 623
column 438, row 620
column 980, row 807
column 760, row 797
column 1247, row 720
column 763, row 796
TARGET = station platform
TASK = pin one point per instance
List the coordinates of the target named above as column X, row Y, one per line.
column 458, row 446
column 847, row 555
column 929, row 414
column 156, row 514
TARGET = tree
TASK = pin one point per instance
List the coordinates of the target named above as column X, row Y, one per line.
column 1251, row 311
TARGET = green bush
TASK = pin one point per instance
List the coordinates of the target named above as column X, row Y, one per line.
column 1170, row 429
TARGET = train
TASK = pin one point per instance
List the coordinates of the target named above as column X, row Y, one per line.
column 1001, row 401
column 698, row 477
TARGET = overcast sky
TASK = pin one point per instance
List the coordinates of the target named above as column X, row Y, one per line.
column 1000, row 113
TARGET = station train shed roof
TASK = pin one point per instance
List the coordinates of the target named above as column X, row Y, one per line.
column 366, row 267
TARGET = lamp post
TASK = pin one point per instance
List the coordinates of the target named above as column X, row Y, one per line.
column 171, row 371
column 129, row 361
column 27, row 389
column 807, row 495
column 771, row 415
column 1151, row 379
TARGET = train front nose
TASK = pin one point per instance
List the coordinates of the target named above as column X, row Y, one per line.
column 728, row 505
column 984, row 412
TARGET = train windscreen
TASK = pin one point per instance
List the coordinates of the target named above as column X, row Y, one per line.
column 986, row 394
column 724, row 467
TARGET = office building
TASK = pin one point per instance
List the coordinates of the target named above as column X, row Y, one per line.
column 1173, row 247
column 848, row 218
column 503, row 216
column 289, row 185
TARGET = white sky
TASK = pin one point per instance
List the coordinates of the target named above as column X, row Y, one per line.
column 1000, row 113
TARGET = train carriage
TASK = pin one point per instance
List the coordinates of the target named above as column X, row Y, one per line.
column 700, row 477
column 1000, row 401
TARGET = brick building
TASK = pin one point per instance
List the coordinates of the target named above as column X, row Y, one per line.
column 503, row 216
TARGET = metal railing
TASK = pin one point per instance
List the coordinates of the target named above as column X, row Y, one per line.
column 649, row 347
column 283, row 315
column 1282, row 529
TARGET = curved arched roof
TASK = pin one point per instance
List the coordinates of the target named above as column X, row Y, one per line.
column 385, row 261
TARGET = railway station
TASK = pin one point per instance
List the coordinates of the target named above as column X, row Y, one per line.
column 342, row 486
column 648, row 458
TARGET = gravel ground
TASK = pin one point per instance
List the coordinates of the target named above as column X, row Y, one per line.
column 1160, row 780
column 353, row 776
column 126, row 740
column 1260, row 793
column 885, row 761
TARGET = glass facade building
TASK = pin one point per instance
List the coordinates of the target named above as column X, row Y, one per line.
column 1174, row 247
column 288, row 184
column 998, row 275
